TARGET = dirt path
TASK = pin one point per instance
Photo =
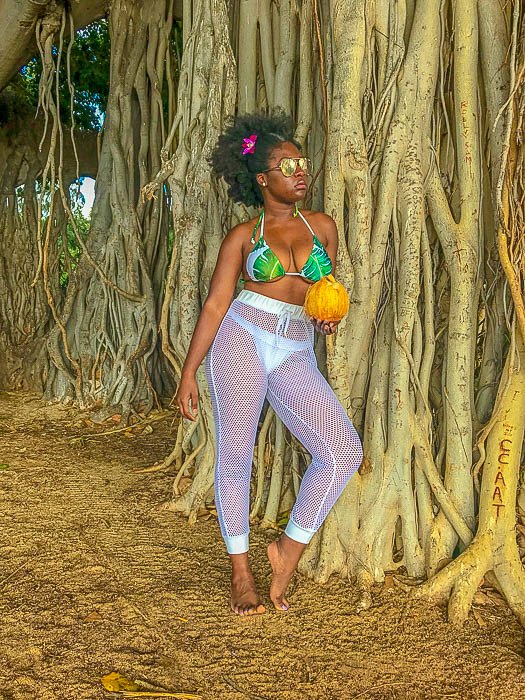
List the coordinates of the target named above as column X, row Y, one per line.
column 96, row 578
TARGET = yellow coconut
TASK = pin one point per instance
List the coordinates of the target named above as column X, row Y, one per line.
column 327, row 300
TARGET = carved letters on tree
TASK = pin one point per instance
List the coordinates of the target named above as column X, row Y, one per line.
column 503, row 460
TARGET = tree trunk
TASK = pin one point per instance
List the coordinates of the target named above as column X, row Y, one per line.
column 25, row 316
column 105, row 345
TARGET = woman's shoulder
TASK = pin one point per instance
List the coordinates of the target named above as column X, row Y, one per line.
column 244, row 227
column 242, row 232
column 319, row 216
column 320, row 222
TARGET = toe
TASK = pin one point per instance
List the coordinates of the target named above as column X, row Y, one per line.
column 281, row 604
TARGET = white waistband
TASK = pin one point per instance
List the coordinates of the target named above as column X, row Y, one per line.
column 275, row 339
column 274, row 306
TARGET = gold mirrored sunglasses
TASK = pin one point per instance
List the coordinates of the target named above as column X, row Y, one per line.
column 288, row 166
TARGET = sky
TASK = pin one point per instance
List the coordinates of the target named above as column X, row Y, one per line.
column 88, row 190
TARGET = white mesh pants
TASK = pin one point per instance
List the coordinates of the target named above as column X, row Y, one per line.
column 248, row 361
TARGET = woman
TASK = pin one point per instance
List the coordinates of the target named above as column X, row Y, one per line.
column 260, row 345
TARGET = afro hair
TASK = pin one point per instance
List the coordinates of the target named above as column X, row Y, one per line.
column 238, row 170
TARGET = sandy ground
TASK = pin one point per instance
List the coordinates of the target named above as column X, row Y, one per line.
column 96, row 578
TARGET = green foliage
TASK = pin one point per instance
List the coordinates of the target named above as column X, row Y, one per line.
column 90, row 58
column 70, row 248
column 89, row 75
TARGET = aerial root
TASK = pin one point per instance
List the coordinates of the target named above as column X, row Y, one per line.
column 460, row 578
column 464, row 590
column 511, row 578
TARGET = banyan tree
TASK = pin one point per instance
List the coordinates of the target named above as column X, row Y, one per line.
column 412, row 113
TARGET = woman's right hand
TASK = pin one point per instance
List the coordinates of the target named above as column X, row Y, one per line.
column 188, row 390
column 324, row 327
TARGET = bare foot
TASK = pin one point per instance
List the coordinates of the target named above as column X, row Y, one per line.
column 245, row 600
column 283, row 566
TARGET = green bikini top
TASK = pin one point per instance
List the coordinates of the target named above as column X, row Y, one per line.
column 263, row 265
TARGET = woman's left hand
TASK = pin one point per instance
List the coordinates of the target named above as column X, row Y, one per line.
column 325, row 327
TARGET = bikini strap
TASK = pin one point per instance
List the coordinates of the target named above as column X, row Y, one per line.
column 260, row 222
column 306, row 222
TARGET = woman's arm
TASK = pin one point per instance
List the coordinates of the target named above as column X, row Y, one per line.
column 222, row 287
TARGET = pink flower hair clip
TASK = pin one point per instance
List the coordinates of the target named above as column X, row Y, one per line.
column 248, row 144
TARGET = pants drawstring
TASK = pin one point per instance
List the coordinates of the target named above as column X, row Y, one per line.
column 283, row 321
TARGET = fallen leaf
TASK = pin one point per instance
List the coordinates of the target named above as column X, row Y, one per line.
column 479, row 619
column 480, row 598
column 388, row 582
column 163, row 694
column 93, row 617
column 4, row 466
column 496, row 597
column 117, row 682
